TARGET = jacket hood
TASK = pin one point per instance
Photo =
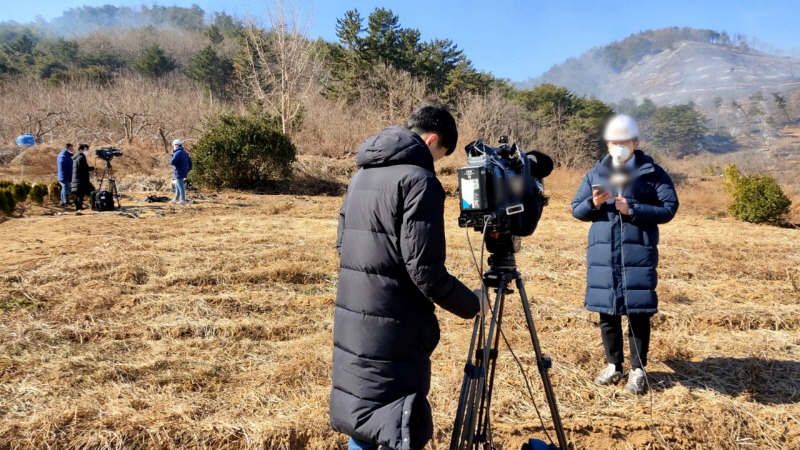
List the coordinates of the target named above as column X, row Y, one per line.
column 394, row 145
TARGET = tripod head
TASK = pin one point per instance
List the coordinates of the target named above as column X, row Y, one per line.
column 502, row 247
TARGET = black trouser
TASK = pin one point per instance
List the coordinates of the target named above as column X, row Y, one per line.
column 78, row 202
column 638, row 338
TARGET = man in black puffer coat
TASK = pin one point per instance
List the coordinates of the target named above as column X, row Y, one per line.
column 391, row 244
column 81, row 184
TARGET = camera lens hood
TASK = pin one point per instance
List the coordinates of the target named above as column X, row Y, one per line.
column 541, row 164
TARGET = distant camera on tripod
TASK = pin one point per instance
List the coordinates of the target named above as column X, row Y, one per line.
column 501, row 188
column 103, row 200
column 107, row 153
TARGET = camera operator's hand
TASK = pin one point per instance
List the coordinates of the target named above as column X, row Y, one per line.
column 484, row 299
column 622, row 205
column 599, row 197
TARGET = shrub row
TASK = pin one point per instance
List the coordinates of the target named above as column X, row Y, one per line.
column 13, row 193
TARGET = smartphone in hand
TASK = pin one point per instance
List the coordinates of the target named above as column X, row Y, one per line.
column 599, row 188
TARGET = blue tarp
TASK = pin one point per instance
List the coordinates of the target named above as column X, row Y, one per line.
column 26, row 140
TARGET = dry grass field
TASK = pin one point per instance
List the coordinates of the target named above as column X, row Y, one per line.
column 209, row 326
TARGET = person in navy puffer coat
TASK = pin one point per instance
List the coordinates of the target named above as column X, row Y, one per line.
column 183, row 164
column 625, row 196
column 64, row 163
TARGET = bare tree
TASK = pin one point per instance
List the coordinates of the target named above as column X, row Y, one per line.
column 760, row 114
column 279, row 65
column 780, row 102
column 31, row 107
column 490, row 116
column 393, row 92
column 717, row 105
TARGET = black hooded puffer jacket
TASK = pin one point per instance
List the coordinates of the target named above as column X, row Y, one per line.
column 392, row 270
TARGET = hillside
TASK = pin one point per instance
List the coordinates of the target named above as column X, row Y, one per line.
column 698, row 72
column 210, row 326
column 672, row 72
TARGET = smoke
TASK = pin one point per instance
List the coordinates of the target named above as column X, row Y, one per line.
column 85, row 20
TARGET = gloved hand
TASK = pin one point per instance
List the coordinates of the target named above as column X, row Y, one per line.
column 484, row 299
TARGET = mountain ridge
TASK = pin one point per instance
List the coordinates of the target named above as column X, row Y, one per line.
column 672, row 66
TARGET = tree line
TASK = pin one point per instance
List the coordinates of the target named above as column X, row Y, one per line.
column 322, row 94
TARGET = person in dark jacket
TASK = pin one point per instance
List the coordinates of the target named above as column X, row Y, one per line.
column 182, row 163
column 392, row 273
column 81, row 184
column 623, row 245
column 64, row 163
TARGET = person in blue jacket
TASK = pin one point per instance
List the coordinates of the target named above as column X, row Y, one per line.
column 626, row 196
column 64, row 165
column 183, row 164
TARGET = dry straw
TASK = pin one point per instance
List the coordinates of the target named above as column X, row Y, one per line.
column 210, row 326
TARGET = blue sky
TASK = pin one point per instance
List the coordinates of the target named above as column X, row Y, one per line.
column 514, row 39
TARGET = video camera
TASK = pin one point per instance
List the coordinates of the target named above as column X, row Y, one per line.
column 501, row 188
column 107, row 153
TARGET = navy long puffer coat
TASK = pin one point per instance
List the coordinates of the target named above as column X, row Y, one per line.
column 653, row 199
column 65, row 162
column 391, row 244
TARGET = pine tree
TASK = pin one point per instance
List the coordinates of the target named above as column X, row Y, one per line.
column 154, row 62
column 211, row 71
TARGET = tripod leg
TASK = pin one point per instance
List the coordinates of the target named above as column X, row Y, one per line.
column 465, row 385
column 113, row 182
column 102, row 178
column 544, row 365
column 473, row 393
column 484, row 359
column 483, row 417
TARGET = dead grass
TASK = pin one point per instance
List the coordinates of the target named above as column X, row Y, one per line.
column 210, row 326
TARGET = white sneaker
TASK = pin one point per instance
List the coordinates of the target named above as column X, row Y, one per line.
column 609, row 375
column 637, row 382
column 173, row 201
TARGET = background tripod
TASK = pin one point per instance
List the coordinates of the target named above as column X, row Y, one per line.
column 108, row 174
column 471, row 429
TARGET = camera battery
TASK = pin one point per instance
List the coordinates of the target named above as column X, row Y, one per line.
column 472, row 187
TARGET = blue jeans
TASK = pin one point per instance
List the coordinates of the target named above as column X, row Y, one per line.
column 180, row 189
column 356, row 444
column 65, row 192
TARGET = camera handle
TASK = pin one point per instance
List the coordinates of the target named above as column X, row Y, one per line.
column 471, row 428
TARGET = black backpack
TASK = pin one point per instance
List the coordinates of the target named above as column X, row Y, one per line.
column 102, row 201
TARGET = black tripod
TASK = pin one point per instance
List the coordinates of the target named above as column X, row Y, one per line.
column 108, row 174
column 471, row 429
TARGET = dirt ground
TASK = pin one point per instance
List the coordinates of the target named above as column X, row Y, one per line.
column 210, row 326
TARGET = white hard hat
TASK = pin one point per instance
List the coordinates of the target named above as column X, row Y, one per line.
column 177, row 143
column 621, row 128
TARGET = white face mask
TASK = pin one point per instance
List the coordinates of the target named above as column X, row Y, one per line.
column 620, row 153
